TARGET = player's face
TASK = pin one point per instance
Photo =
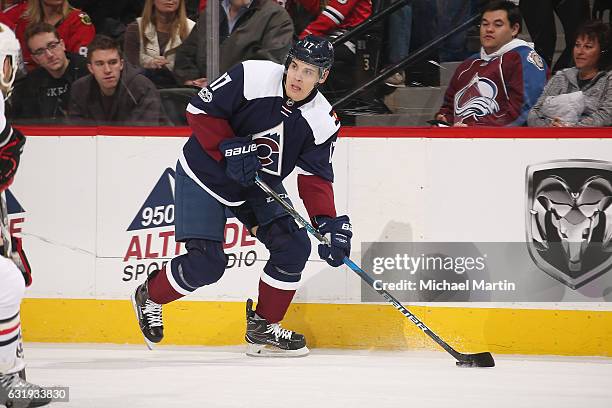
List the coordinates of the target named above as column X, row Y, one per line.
column 586, row 53
column 301, row 79
column 495, row 30
column 166, row 6
column 106, row 67
column 48, row 51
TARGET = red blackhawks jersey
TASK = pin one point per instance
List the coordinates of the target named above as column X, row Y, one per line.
column 497, row 89
column 337, row 15
column 4, row 20
column 76, row 30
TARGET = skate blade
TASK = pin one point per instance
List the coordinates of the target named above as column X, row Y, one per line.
column 266, row 350
column 148, row 343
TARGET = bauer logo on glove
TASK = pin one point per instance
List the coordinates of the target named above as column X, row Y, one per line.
column 340, row 232
column 237, row 151
column 241, row 158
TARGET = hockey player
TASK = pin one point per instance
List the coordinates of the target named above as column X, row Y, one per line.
column 258, row 117
column 12, row 279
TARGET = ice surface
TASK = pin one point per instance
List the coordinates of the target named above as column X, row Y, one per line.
column 114, row 376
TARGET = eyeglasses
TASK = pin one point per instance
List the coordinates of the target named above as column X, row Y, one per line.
column 52, row 46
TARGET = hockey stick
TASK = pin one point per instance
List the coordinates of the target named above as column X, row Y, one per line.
column 484, row 359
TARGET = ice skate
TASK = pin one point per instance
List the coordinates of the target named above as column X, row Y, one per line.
column 22, row 393
column 270, row 339
column 149, row 315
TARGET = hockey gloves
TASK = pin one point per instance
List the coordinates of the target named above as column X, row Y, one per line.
column 340, row 231
column 241, row 160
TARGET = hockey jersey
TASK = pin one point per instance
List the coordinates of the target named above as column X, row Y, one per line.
column 249, row 101
column 496, row 89
column 76, row 30
column 337, row 15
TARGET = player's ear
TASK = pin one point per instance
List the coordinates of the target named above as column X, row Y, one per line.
column 324, row 77
column 89, row 68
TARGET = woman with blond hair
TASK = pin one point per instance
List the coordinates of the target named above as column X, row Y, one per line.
column 151, row 41
column 73, row 25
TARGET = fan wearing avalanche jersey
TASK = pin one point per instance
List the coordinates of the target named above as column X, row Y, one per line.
column 498, row 86
column 258, row 118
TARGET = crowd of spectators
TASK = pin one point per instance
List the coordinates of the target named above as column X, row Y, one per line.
column 161, row 48
column 145, row 50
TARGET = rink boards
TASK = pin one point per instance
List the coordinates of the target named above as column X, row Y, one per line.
column 95, row 210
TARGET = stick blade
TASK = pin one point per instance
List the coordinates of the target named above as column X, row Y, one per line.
column 476, row 360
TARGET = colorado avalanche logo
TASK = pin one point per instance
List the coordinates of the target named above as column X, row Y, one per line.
column 536, row 60
column 270, row 149
column 476, row 99
column 569, row 219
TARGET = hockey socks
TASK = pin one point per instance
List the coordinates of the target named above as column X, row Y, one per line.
column 159, row 288
column 273, row 303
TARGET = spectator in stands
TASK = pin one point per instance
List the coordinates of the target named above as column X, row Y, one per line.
column 498, row 86
column 152, row 40
column 111, row 17
column 539, row 17
column 582, row 95
column 45, row 92
column 332, row 18
column 397, row 40
column 73, row 25
column 249, row 29
column 114, row 91
column 451, row 13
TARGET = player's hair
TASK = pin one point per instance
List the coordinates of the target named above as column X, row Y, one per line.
column 102, row 42
column 39, row 28
column 36, row 14
column 596, row 30
column 179, row 22
column 511, row 9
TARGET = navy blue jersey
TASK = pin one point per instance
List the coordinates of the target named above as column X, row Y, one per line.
column 249, row 101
